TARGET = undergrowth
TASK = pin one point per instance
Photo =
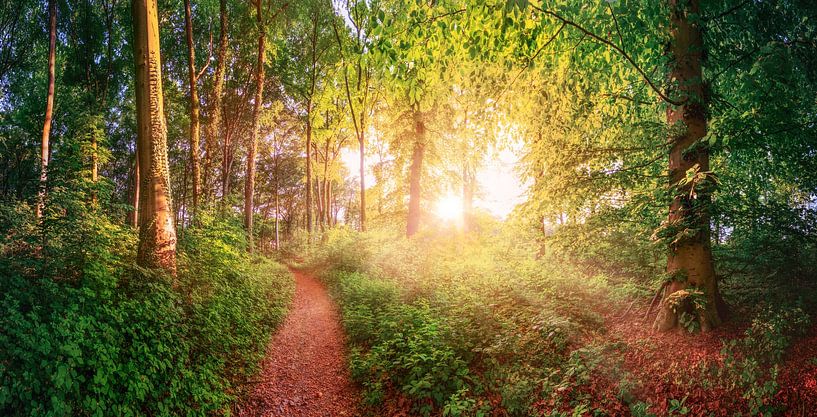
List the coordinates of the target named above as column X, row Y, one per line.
column 488, row 324
column 111, row 339
column 461, row 326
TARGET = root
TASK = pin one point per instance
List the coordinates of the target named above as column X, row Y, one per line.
column 654, row 300
column 628, row 309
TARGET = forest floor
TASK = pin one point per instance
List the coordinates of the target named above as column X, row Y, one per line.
column 305, row 372
column 659, row 367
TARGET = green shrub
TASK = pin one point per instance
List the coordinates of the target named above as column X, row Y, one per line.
column 751, row 364
column 399, row 345
column 444, row 318
column 112, row 340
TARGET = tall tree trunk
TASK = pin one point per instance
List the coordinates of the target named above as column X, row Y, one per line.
column 225, row 171
column 328, row 205
column 181, row 208
column 325, row 200
column 318, row 197
column 49, row 104
column 249, row 185
column 359, row 123
column 94, row 169
column 195, row 128
column 157, row 233
column 415, row 173
column 133, row 218
column 693, row 289
column 313, row 75
column 361, row 148
column 467, row 197
column 277, row 214
column 214, row 125
column 309, row 166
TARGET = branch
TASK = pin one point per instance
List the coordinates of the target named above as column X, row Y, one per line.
column 530, row 61
column 729, row 11
column 618, row 29
column 735, row 62
column 209, row 58
column 346, row 80
column 616, row 48
column 654, row 299
column 431, row 19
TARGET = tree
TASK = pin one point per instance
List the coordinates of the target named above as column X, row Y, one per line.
column 49, row 104
column 303, row 74
column 416, row 172
column 412, row 42
column 357, row 57
column 692, row 288
column 249, row 185
column 157, row 231
column 689, row 261
column 195, row 127
column 216, row 99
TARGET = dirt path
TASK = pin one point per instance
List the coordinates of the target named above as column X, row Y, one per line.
column 305, row 371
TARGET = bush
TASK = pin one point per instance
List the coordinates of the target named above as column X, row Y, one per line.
column 123, row 341
column 405, row 344
column 751, row 364
column 453, row 322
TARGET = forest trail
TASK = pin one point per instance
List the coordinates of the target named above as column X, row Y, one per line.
column 305, row 373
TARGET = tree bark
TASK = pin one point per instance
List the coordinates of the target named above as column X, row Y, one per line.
column 249, row 185
column 328, row 205
column 157, row 233
column 195, row 127
column 693, row 289
column 415, row 173
column 214, row 125
column 49, row 105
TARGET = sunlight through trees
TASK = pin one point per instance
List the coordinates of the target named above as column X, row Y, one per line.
column 509, row 200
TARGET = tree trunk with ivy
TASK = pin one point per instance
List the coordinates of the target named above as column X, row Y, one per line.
column 690, row 295
column 157, row 231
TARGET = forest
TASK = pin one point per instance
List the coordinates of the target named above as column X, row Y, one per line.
column 408, row 208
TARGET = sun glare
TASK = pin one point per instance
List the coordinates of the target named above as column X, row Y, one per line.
column 449, row 208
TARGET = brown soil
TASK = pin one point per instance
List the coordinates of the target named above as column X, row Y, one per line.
column 305, row 371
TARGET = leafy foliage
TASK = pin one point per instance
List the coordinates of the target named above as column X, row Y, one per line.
column 443, row 321
column 120, row 341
